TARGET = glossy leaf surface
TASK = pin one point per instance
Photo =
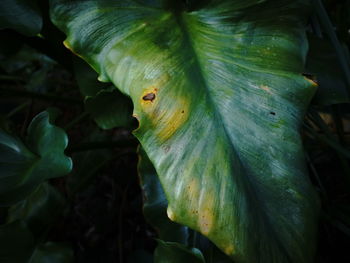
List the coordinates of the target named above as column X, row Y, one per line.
column 155, row 203
column 23, row 166
column 219, row 95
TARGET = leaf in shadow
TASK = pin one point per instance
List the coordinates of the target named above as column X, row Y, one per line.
column 25, row 165
column 21, row 15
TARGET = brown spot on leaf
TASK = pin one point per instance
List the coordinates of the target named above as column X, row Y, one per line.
column 272, row 113
column 150, row 96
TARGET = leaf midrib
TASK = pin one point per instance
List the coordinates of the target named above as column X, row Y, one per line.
column 253, row 195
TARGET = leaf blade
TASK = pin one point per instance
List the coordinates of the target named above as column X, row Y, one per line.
column 219, row 96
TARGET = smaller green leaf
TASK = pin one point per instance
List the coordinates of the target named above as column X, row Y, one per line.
column 52, row 253
column 171, row 252
column 38, row 81
column 27, row 65
column 39, row 210
column 86, row 78
column 322, row 62
column 16, row 243
column 110, row 109
column 21, row 15
column 210, row 252
column 23, row 166
column 108, row 106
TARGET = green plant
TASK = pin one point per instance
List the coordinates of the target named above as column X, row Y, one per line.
column 219, row 90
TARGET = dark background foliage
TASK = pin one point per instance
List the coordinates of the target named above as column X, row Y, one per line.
column 94, row 213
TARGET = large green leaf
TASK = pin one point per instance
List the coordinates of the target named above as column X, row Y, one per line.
column 23, row 166
column 218, row 92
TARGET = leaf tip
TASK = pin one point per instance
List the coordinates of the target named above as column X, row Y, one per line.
column 229, row 250
column 170, row 214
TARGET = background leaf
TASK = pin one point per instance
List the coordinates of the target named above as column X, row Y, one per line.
column 52, row 253
column 39, row 210
column 323, row 64
column 110, row 109
column 107, row 105
column 24, row 166
column 169, row 252
column 21, row 15
column 16, row 242
column 86, row 78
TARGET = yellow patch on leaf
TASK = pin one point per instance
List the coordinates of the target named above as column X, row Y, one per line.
column 170, row 120
column 206, row 214
column 229, row 250
column 166, row 111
